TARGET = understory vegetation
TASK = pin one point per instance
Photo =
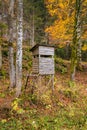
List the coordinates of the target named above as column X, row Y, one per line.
column 40, row 108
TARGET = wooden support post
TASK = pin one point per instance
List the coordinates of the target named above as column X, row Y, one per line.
column 52, row 82
column 26, row 81
column 39, row 86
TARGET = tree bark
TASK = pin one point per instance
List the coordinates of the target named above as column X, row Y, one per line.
column 19, row 48
column 0, row 57
column 1, row 34
column 11, row 67
column 32, row 28
column 76, row 40
column 79, row 44
column 11, row 53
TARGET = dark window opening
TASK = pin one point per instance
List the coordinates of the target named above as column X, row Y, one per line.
column 46, row 56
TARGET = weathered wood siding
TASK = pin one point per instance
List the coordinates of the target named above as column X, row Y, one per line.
column 35, row 65
column 43, row 50
column 46, row 66
column 43, row 61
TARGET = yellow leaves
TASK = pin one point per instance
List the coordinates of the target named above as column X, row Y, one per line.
column 61, row 5
column 84, row 36
column 62, row 28
column 56, row 7
column 52, row 8
column 85, row 3
column 14, row 105
column 58, row 30
column 53, row 12
column 84, row 48
column 3, row 120
column 49, row 1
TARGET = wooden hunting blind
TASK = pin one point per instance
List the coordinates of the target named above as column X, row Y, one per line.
column 43, row 59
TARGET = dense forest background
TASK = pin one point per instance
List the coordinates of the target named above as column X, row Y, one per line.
column 23, row 24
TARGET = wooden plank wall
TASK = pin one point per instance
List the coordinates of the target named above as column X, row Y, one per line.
column 46, row 65
column 43, row 50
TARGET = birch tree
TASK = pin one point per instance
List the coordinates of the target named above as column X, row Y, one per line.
column 11, row 50
column 0, row 49
column 19, row 47
column 0, row 55
column 2, row 27
column 0, row 45
column 79, row 34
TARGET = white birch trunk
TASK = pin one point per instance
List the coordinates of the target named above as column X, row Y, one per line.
column 11, row 53
column 19, row 48
column 79, row 30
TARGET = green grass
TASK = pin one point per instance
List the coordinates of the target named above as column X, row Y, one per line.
column 63, row 120
column 66, row 117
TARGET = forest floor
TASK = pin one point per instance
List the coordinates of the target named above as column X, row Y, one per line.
column 63, row 109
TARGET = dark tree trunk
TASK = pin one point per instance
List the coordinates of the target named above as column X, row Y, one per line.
column 76, row 40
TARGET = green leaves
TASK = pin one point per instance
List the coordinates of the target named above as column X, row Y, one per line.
column 2, row 95
column 15, row 106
